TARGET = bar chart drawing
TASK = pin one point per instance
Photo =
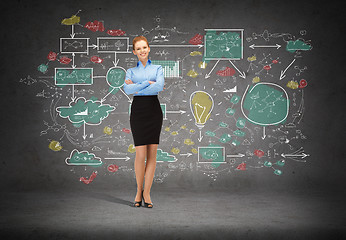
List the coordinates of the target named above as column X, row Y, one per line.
column 171, row 69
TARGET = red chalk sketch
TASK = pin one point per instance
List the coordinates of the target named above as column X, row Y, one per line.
column 115, row 32
column 258, row 153
column 112, row 168
column 65, row 60
column 51, row 56
column 125, row 130
column 95, row 26
column 303, row 83
column 227, row 72
column 91, row 178
column 96, row 59
column 267, row 67
column 197, row 39
column 242, row 166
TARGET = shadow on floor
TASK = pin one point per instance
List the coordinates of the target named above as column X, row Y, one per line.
column 113, row 199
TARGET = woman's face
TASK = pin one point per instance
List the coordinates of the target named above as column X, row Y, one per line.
column 141, row 50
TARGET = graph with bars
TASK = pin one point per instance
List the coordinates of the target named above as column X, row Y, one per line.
column 170, row 68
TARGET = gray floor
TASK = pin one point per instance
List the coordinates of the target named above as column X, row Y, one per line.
column 177, row 214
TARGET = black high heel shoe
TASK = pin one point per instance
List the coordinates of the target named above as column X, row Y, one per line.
column 147, row 205
column 138, row 204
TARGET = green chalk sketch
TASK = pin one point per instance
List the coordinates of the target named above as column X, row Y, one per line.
column 267, row 164
column 165, row 63
column 73, row 76
column 213, row 154
column 170, row 68
column 235, row 99
column 209, row 133
column 78, row 125
column 230, row 111
column 235, row 142
column 266, row 104
column 164, row 110
column 223, row 125
column 116, row 77
column 239, row 133
column 225, row 138
column 226, row 44
column 93, row 98
column 280, row 163
column 164, row 157
column 91, row 112
column 293, row 46
column 42, row 68
column 83, row 158
column 241, row 122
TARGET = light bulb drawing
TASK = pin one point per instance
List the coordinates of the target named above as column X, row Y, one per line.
column 201, row 104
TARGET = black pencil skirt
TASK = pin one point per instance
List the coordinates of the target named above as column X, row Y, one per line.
column 146, row 120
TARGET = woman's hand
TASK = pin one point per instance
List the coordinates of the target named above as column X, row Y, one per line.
column 128, row 81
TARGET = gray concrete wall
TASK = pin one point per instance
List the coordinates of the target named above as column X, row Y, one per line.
column 31, row 30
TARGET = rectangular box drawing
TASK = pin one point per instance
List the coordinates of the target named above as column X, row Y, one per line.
column 224, row 44
column 73, row 76
column 213, row 151
column 112, row 44
column 74, row 45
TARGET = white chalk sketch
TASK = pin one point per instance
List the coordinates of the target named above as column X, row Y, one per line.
column 208, row 128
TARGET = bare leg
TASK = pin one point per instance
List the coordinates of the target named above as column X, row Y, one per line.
column 150, row 170
column 141, row 153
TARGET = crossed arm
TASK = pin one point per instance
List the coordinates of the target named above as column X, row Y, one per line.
column 134, row 86
column 131, row 88
column 146, row 86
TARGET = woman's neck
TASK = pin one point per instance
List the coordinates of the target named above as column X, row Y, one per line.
column 144, row 62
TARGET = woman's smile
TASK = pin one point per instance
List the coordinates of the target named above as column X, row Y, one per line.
column 142, row 50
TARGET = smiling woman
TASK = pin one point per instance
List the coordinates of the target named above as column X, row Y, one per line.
column 145, row 81
column 141, row 48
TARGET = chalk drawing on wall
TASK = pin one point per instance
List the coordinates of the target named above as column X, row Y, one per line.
column 201, row 104
column 209, row 127
column 223, row 44
column 83, row 158
column 266, row 104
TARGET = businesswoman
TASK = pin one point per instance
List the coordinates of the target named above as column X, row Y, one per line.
column 144, row 81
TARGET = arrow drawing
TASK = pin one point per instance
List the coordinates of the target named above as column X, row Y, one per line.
column 123, row 158
column 180, row 111
column 297, row 154
column 239, row 155
column 208, row 74
column 242, row 74
column 72, row 34
column 282, row 74
column 253, row 46
column 264, row 133
column 303, row 155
